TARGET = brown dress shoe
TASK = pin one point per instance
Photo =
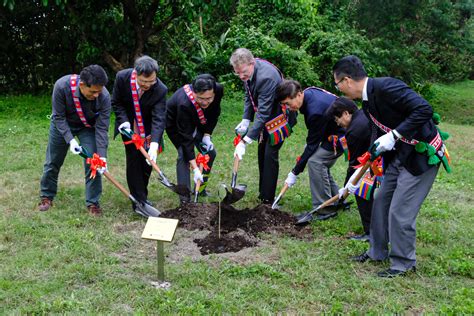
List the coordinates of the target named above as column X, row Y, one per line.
column 94, row 210
column 45, row 204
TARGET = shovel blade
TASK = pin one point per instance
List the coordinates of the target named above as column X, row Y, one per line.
column 277, row 200
column 146, row 210
column 236, row 194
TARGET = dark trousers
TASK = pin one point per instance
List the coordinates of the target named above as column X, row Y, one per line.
column 268, row 167
column 55, row 155
column 182, row 165
column 138, row 173
column 365, row 211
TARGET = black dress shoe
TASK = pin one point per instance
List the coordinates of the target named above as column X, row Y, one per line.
column 266, row 202
column 361, row 258
column 391, row 273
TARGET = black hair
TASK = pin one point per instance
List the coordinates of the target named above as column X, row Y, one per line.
column 94, row 75
column 204, row 82
column 287, row 89
column 146, row 66
column 339, row 106
column 349, row 66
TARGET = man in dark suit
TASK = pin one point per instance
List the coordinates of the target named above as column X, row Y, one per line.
column 261, row 79
column 139, row 103
column 346, row 114
column 400, row 119
column 81, row 107
column 192, row 113
column 320, row 152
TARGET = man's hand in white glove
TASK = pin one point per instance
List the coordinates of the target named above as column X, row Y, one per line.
column 341, row 192
column 242, row 127
column 74, row 147
column 152, row 152
column 291, row 179
column 240, row 150
column 197, row 175
column 386, row 142
column 206, row 140
column 125, row 127
column 103, row 169
column 349, row 186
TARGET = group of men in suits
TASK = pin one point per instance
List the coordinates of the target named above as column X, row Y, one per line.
column 393, row 119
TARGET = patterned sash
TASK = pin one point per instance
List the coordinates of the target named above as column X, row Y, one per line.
column 77, row 103
column 199, row 111
column 136, row 104
column 436, row 142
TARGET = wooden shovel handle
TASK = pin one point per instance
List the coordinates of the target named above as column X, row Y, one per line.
column 359, row 176
column 284, row 189
column 118, row 185
column 154, row 165
column 236, row 164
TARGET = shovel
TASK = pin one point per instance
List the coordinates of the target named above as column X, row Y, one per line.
column 278, row 198
column 141, row 208
column 179, row 189
column 307, row 217
column 238, row 191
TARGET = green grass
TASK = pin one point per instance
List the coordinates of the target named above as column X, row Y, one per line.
column 64, row 261
column 455, row 102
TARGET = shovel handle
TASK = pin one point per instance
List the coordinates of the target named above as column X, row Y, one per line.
column 153, row 164
column 359, row 176
column 284, row 189
column 235, row 168
column 118, row 185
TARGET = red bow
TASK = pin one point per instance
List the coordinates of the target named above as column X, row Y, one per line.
column 95, row 163
column 375, row 165
column 202, row 160
column 298, row 159
column 237, row 140
column 137, row 140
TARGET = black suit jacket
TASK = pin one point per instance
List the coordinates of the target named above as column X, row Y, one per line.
column 398, row 107
column 152, row 105
column 182, row 119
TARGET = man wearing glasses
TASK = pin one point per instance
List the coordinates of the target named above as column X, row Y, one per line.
column 261, row 79
column 192, row 113
column 139, row 103
column 401, row 119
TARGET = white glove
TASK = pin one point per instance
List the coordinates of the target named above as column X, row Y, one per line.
column 125, row 126
column 74, row 147
column 197, row 175
column 349, row 186
column 206, row 139
column 341, row 192
column 103, row 169
column 291, row 179
column 242, row 127
column 152, row 152
column 240, row 150
column 386, row 143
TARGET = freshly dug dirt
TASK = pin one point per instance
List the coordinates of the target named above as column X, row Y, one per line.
column 238, row 228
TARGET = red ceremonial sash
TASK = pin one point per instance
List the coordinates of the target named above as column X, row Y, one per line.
column 136, row 104
column 199, row 111
column 77, row 103
column 436, row 142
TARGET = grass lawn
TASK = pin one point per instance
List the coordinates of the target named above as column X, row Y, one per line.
column 64, row 260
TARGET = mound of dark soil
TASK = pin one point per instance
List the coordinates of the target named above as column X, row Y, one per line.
column 238, row 228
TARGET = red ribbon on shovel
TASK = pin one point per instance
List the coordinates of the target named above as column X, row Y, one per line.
column 376, row 165
column 136, row 140
column 95, row 163
column 237, row 140
column 202, row 160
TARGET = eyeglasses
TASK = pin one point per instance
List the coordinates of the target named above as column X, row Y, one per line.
column 207, row 100
column 243, row 71
column 146, row 82
column 336, row 84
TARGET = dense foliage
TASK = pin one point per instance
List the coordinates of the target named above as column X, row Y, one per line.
column 417, row 41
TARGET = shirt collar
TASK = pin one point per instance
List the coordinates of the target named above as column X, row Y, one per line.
column 364, row 91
